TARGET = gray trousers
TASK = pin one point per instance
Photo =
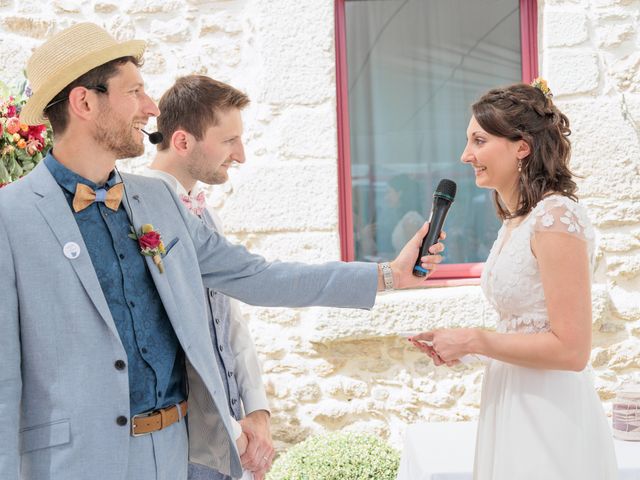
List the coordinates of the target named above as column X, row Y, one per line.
column 160, row 455
column 199, row 472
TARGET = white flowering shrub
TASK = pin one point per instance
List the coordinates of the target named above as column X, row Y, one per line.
column 338, row 456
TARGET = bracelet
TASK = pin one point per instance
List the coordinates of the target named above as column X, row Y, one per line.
column 387, row 276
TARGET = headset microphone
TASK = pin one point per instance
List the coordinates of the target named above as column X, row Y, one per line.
column 154, row 138
column 442, row 200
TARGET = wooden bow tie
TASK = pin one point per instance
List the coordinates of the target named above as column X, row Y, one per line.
column 85, row 196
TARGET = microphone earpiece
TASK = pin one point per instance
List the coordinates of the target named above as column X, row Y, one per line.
column 154, row 138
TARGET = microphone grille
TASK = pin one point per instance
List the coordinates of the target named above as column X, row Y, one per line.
column 447, row 187
column 155, row 138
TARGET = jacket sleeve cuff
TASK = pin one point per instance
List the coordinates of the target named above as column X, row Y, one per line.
column 254, row 399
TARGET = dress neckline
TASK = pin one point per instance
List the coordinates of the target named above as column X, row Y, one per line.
column 529, row 215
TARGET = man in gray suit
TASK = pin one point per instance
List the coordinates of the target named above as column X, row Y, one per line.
column 104, row 342
column 201, row 124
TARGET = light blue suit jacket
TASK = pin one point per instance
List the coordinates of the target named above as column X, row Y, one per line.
column 60, row 393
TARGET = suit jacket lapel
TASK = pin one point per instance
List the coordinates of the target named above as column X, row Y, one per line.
column 54, row 208
column 208, row 220
column 139, row 214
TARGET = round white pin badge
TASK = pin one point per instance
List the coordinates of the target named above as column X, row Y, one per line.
column 71, row 250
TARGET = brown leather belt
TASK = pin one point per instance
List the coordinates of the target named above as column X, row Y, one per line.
column 156, row 420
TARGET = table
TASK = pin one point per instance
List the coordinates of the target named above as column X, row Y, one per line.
column 445, row 450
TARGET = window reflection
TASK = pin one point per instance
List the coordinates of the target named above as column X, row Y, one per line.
column 414, row 68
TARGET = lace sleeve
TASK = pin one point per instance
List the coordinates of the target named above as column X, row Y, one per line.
column 563, row 215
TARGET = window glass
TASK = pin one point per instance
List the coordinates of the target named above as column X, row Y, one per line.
column 414, row 69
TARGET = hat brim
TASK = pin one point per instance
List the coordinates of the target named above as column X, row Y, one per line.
column 33, row 111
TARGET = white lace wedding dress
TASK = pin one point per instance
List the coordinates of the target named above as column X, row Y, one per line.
column 537, row 424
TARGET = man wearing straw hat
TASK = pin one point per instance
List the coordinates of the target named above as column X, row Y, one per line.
column 106, row 357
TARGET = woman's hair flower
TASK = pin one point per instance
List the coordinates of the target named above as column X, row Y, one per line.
column 542, row 85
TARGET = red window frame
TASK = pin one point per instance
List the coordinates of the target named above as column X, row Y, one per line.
column 529, row 46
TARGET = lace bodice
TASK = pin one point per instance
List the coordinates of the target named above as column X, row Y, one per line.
column 511, row 278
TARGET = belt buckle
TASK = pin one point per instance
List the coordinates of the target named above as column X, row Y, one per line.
column 140, row 415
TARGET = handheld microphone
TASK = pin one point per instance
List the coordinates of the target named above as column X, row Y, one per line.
column 442, row 200
column 154, row 138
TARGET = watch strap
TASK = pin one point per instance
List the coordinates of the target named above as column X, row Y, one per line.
column 387, row 275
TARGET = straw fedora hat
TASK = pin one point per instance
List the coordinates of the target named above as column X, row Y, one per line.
column 66, row 56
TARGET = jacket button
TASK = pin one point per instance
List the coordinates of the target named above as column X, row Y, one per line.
column 220, row 347
column 217, row 320
column 230, row 374
column 212, row 293
column 122, row 420
column 233, row 401
column 120, row 364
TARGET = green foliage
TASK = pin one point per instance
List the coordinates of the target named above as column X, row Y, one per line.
column 338, row 456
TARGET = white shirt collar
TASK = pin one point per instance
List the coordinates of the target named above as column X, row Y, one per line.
column 180, row 190
column 168, row 179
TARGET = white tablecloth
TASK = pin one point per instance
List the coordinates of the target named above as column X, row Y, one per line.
column 444, row 451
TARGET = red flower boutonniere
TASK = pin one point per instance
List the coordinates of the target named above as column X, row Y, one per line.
column 150, row 242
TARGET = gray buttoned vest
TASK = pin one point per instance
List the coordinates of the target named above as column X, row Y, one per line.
column 219, row 314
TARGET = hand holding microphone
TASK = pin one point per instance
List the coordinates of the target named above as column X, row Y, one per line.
column 442, row 199
column 407, row 271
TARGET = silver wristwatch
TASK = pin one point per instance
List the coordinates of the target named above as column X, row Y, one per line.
column 387, row 276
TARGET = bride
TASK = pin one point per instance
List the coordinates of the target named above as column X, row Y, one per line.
column 540, row 417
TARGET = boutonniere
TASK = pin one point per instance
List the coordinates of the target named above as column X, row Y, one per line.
column 150, row 242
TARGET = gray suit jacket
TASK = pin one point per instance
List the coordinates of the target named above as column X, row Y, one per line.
column 60, row 393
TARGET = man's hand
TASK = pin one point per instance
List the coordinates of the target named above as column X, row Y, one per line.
column 242, row 443
column 402, row 266
column 259, row 453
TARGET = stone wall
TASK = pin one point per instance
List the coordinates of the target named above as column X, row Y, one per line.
column 329, row 369
column 591, row 56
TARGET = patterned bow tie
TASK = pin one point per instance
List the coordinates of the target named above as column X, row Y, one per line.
column 85, row 196
column 194, row 203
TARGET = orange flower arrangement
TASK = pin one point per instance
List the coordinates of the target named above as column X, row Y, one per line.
column 21, row 146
